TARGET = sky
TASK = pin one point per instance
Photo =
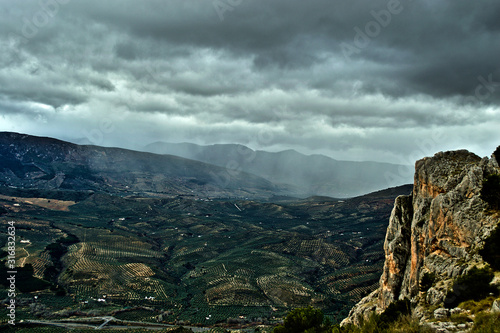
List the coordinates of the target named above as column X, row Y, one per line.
column 389, row 81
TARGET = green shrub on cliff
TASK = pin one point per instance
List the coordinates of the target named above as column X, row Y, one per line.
column 427, row 281
column 395, row 310
column 496, row 154
column 486, row 322
column 396, row 318
column 404, row 323
column 491, row 250
column 491, row 191
column 474, row 285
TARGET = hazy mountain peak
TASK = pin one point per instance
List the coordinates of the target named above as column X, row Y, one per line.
column 309, row 174
column 38, row 162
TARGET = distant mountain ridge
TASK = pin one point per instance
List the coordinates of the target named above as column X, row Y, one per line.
column 308, row 174
column 45, row 163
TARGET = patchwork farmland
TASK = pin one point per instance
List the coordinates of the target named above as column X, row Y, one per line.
column 193, row 260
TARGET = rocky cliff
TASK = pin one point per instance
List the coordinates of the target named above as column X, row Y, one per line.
column 437, row 229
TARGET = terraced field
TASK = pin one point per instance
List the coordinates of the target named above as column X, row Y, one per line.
column 199, row 260
column 96, row 270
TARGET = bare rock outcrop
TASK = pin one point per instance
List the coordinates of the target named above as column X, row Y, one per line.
column 437, row 229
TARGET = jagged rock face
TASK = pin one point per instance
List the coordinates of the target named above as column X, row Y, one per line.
column 397, row 250
column 438, row 228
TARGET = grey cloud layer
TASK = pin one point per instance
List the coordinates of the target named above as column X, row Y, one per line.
column 278, row 65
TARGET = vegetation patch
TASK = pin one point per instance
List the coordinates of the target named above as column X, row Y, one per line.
column 427, row 281
column 475, row 285
column 305, row 320
column 486, row 322
column 477, row 306
column 56, row 251
column 491, row 191
column 496, row 154
column 24, row 274
column 491, row 250
column 460, row 318
column 404, row 323
column 136, row 315
column 394, row 311
column 63, row 195
column 396, row 318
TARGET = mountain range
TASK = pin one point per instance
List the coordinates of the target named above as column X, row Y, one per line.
column 305, row 175
column 214, row 171
column 46, row 163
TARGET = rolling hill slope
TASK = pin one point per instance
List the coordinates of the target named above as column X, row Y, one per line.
column 45, row 163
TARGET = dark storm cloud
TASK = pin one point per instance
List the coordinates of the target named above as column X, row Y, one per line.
column 36, row 90
column 16, row 108
column 308, row 72
column 445, row 46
